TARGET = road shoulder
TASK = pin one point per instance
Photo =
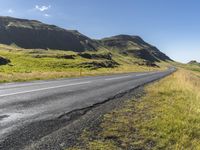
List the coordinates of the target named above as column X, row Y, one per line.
column 69, row 135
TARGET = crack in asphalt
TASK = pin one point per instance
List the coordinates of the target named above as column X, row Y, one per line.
column 34, row 132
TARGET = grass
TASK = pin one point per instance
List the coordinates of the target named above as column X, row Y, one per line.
column 49, row 64
column 167, row 117
column 193, row 67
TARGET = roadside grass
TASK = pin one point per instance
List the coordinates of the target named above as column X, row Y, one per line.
column 167, row 117
column 40, row 64
column 192, row 67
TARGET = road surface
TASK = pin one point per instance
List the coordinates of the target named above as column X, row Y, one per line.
column 23, row 104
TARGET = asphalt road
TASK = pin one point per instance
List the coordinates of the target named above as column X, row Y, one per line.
column 25, row 103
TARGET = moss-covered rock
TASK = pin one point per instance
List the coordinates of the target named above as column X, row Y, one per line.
column 96, row 56
column 99, row 64
column 146, row 63
column 4, row 61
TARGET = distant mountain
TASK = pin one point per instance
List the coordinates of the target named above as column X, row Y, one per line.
column 135, row 46
column 194, row 62
column 32, row 34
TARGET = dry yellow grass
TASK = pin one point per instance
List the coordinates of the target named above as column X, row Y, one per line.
column 35, row 75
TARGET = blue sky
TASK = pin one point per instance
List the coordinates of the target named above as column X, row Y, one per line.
column 171, row 25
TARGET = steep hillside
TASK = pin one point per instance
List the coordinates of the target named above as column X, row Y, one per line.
column 134, row 46
column 34, row 34
column 31, row 50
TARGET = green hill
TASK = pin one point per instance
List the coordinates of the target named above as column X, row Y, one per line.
column 31, row 50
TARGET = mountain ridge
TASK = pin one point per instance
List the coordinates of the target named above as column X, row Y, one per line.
column 33, row 34
column 136, row 46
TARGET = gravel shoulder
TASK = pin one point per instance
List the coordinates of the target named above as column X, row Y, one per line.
column 68, row 135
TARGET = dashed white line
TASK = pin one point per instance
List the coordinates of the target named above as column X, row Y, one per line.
column 117, row 78
column 150, row 73
column 140, row 75
column 42, row 89
column 11, row 85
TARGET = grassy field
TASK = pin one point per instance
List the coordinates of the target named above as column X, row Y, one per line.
column 167, row 117
column 49, row 64
column 192, row 67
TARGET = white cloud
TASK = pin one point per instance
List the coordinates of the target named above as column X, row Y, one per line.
column 47, row 15
column 42, row 8
column 10, row 11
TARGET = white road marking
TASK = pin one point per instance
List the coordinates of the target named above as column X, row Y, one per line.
column 11, row 85
column 42, row 89
column 117, row 78
column 149, row 73
column 140, row 75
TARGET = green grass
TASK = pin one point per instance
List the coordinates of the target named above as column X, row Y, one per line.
column 46, row 64
column 167, row 117
column 192, row 67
